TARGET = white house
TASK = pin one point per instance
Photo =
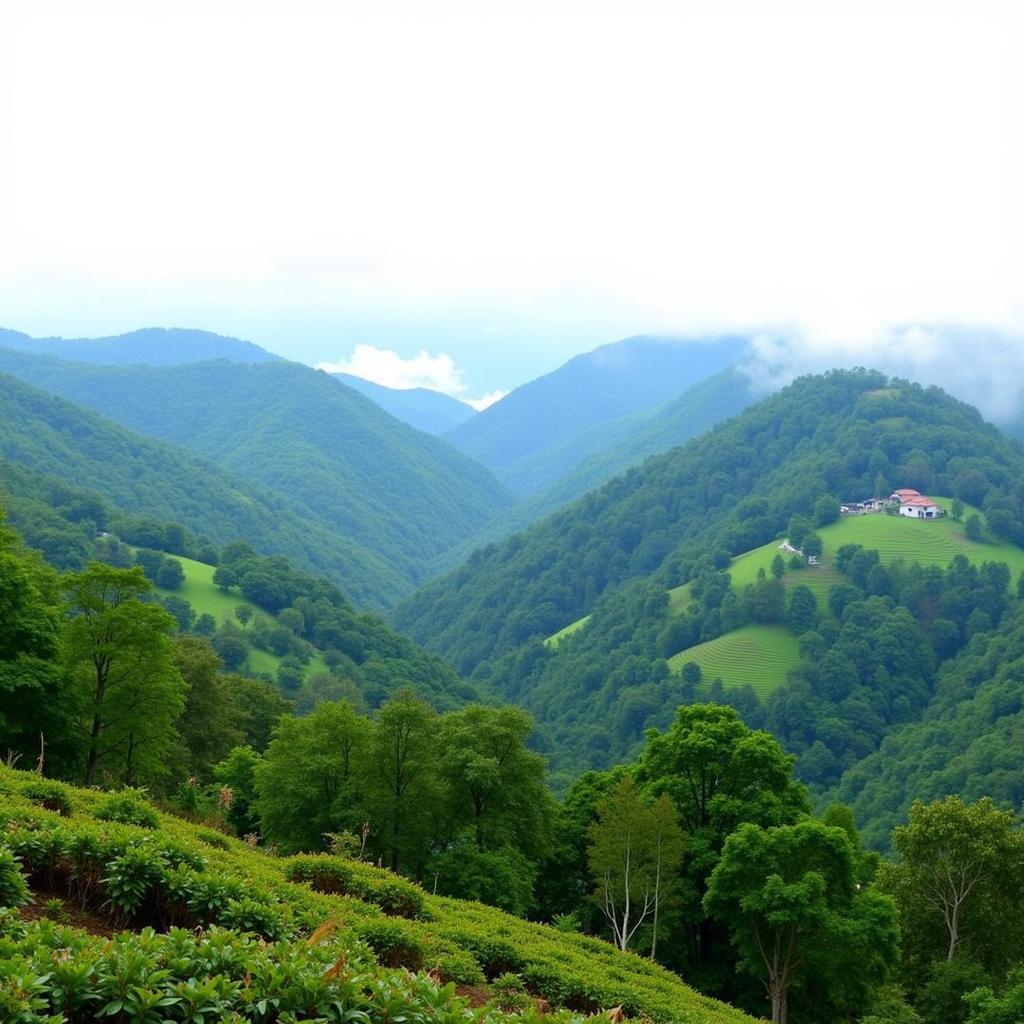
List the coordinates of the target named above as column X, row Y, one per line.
column 919, row 507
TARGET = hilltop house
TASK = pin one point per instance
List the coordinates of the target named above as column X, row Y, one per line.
column 915, row 505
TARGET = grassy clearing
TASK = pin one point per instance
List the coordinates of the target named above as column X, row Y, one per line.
column 556, row 638
column 200, row 592
column 207, row 598
column 930, row 542
column 758, row 655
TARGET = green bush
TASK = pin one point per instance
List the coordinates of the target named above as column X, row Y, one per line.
column 52, row 796
column 13, row 887
column 129, row 808
column 335, row 875
column 392, row 943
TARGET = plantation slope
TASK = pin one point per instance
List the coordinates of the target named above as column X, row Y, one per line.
column 754, row 654
column 186, row 877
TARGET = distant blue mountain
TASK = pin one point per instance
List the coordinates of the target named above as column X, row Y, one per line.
column 421, row 408
column 543, row 429
column 151, row 346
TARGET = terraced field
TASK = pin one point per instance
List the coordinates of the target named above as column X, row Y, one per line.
column 758, row 655
column 930, row 542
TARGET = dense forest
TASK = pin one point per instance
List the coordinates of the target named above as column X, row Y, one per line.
column 775, row 849
column 48, row 444
column 701, row 853
column 402, row 496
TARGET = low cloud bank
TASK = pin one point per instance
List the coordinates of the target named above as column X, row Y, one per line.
column 984, row 368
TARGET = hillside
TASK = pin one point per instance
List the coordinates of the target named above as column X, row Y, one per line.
column 421, row 408
column 616, row 553
column 349, row 935
column 616, row 447
column 763, row 655
column 154, row 346
column 55, row 443
column 396, row 492
column 968, row 741
column 539, row 431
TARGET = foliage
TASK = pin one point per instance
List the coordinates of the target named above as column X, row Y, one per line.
column 129, row 808
column 958, row 884
column 174, row 882
column 790, row 897
column 13, row 888
column 385, row 501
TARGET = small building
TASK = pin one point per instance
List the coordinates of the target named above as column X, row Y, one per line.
column 919, row 507
column 903, row 494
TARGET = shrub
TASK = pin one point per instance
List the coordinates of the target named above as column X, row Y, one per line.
column 129, row 808
column 52, row 796
column 392, row 944
column 215, row 839
column 336, row 876
column 13, row 887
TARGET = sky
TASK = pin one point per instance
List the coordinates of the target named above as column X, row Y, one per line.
column 464, row 195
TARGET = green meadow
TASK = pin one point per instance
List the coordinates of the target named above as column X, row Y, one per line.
column 207, row 598
column 754, row 654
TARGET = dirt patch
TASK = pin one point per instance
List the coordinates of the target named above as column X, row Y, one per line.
column 476, row 996
column 37, row 910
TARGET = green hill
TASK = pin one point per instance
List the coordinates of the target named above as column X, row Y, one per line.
column 402, row 495
column 541, row 430
column 621, row 557
column 235, row 925
column 421, row 408
column 754, row 655
column 54, row 443
column 604, row 450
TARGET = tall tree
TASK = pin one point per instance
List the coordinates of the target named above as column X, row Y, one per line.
column 31, row 701
column 402, row 781
column 719, row 773
column 959, row 883
column 309, row 781
column 212, row 723
column 118, row 653
column 790, row 898
column 635, row 847
column 492, row 782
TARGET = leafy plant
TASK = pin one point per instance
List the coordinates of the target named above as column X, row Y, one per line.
column 128, row 807
column 13, row 887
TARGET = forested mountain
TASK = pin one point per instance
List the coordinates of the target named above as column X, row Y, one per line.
column 968, row 742
column 642, row 434
column 615, row 552
column 57, row 445
column 539, row 432
column 154, row 346
column 421, row 408
column 392, row 490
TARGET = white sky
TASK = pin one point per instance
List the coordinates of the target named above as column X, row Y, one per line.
column 508, row 184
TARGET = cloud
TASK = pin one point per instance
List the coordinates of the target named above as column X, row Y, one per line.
column 489, row 399
column 984, row 368
column 384, row 366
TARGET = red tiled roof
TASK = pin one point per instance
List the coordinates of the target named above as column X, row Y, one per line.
column 917, row 501
column 906, row 491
